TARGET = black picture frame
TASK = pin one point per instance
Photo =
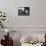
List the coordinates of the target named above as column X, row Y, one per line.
column 24, row 11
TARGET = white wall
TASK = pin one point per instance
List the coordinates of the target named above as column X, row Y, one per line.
column 37, row 16
column 39, row 13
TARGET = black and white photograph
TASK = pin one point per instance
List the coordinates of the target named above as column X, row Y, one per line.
column 24, row 11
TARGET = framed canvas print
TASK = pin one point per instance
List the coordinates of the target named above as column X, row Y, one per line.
column 24, row 11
